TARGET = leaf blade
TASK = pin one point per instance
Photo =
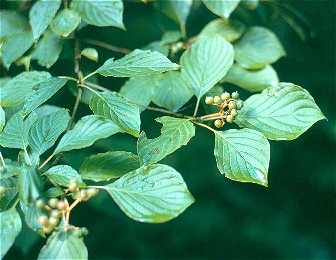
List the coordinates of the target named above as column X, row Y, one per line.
column 175, row 133
column 281, row 113
column 156, row 194
column 242, row 155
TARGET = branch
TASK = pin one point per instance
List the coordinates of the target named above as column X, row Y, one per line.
column 107, row 46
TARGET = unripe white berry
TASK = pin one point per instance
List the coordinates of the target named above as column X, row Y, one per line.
column 233, row 112
column 229, row 118
column 61, row 205
column 218, row 123
column 53, row 221
column 43, row 220
column 235, row 95
column 239, row 104
column 209, row 100
column 47, row 230
column 55, row 213
column 83, row 195
column 225, row 96
column 232, row 105
column 92, row 192
column 53, row 202
column 216, row 99
column 73, row 186
column 40, row 204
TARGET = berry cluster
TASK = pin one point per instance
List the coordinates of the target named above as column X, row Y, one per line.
column 228, row 105
column 56, row 208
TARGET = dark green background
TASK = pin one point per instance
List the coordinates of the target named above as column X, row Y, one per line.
column 292, row 219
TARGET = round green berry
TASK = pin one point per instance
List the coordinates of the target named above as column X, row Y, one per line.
column 239, row 104
column 43, row 220
column 209, row 100
column 235, row 95
column 229, row 118
column 232, row 105
column 53, row 202
column 216, row 99
column 218, row 123
column 40, row 204
column 225, row 96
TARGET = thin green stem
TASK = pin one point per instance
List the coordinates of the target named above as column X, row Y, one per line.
column 107, row 46
column 2, row 160
column 89, row 75
column 67, row 77
column 45, row 162
column 75, row 107
column 205, row 126
column 197, row 106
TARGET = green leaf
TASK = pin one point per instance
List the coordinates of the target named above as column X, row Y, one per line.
column 100, row 13
column 230, row 30
column 87, row 130
column 107, row 166
column 65, row 22
column 2, row 119
column 16, row 90
column 64, row 245
column 153, row 194
column 15, row 134
column 242, row 155
column 157, row 46
column 8, row 180
column 222, row 8
column 9, row 229
column 206, row 63
column 137, row 63
column 48, row 49
column 31, row 215
column 29, row 185
column 172, row 92
column 45, row 90
column 175, row 133
column 113, row 106
column 41, row 14
column 140, row 90
column 169, row 37
column 11, row 52
column 258, row 48
column 12, row 23
column 62, row 175
column 46, row 130
column 252, row 80
column 281, row 113
column 176, row 10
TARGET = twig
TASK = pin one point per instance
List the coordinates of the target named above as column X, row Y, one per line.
column 89, row 75
column 107, row 46
column 74, row 204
